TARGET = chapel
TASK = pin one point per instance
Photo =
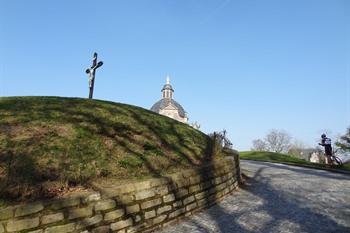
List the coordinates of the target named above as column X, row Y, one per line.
column 167, row 106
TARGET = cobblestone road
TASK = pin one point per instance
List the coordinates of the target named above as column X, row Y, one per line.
column 278, row 198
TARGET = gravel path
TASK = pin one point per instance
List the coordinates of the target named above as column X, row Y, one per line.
column 278, row 198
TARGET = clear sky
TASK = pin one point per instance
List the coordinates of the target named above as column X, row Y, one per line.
column 245, row 66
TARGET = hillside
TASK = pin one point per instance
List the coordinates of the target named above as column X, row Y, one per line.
column 283, row 158
column 271, row 157
column 50, row 143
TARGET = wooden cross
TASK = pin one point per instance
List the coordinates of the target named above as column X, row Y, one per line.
column 91, row 72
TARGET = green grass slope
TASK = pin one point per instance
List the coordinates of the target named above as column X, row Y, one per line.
column 271, row 157
column 283, row 158
column 52, row 141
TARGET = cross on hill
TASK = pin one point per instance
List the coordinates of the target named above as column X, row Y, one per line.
column 91, row 72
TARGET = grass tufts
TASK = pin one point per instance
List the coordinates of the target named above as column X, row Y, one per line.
column 50, row 142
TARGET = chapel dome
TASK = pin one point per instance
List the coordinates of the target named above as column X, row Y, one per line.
column 167, row 106
column 163, row 103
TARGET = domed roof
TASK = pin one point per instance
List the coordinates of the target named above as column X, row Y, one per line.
column 163, row 103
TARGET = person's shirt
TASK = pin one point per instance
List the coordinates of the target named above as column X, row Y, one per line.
column 326, row 142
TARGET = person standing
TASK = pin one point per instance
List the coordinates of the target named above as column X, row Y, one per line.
column 327, row 144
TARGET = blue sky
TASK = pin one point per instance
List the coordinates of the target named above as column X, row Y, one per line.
column 245, row 66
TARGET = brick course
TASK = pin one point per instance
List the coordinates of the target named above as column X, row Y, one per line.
column 23, row 224
column 51, row 218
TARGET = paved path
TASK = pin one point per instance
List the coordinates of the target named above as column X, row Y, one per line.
column 278, row 198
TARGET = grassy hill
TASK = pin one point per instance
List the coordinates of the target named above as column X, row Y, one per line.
column 283, row 158
column 50, row 143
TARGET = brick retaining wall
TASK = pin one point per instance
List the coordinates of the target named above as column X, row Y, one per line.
column 134, row 207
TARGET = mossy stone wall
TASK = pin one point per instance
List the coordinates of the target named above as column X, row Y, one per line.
column 134, row 207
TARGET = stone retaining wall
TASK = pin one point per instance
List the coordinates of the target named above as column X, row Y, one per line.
column 135, row 207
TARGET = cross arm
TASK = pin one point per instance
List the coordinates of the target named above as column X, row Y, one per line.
column 99, row 64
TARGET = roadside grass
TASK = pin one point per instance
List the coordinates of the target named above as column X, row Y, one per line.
column 48, row 144
column 283, row 158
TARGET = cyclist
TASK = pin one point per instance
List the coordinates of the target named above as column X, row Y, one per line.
column 327, row 144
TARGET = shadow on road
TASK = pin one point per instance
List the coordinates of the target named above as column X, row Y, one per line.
column 274, row 210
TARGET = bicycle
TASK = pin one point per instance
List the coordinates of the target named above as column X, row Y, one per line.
column 336, row 160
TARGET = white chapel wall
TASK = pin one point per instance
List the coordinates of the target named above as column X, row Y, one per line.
column 172, row 112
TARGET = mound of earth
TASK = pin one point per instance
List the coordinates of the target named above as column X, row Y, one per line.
column 48, row 144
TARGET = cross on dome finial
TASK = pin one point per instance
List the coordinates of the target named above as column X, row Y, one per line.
column 167, row 79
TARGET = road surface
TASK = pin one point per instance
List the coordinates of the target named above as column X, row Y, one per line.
column 278, row 198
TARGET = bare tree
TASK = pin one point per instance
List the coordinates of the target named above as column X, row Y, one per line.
column 297, row 149
column 259, row 145
column 344, row 142
column 278, row 141
column 297, row 145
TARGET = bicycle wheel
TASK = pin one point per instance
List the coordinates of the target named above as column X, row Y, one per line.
column 337, row 160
